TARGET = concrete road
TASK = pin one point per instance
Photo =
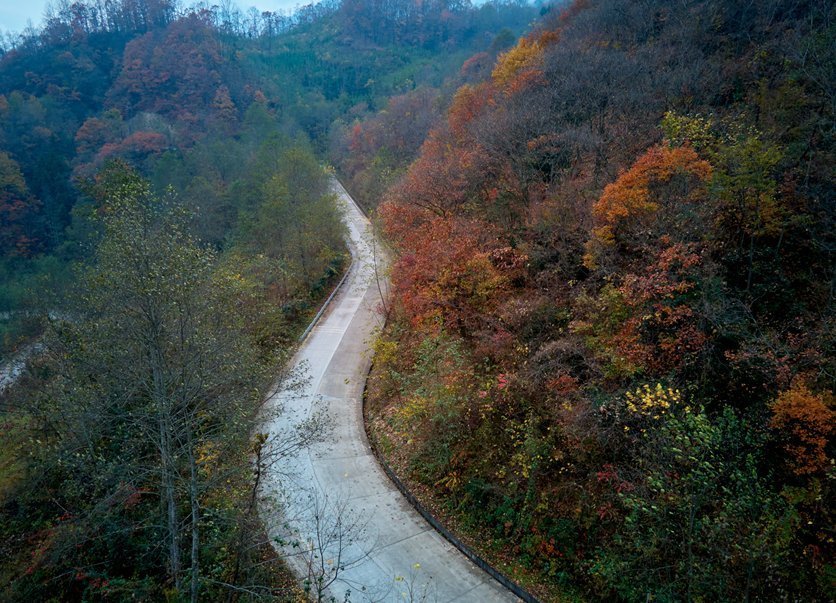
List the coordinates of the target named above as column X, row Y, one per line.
column 342, row 523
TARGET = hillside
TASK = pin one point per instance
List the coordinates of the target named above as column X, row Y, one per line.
column 608, row 358
column 198, row 99
column 610, row 351
column 167, row 229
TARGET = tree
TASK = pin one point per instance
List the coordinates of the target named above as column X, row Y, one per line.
column 750, row 214
column 657, row 196
column 449, row 273
column 297, row 221
column 159, row 382
column 174, row 72
column 521, row 58
column 18, row 211
column 699, row 521
column 441, row 179
column 226, row 114
column 804, row 423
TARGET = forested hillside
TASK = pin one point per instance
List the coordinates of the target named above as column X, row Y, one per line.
column 167, row 228
column 608, row 360
column 198, row 98
column 609, row 356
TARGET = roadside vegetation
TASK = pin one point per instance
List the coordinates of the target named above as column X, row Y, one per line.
column 167, row 228
column 609, row 351
column 610, row 348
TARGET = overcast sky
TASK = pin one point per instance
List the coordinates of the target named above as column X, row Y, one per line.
column 15, row 13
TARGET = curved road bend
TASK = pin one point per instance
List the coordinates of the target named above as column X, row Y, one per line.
column 387, row 548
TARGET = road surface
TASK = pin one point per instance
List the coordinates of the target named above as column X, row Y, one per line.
column 339, row 517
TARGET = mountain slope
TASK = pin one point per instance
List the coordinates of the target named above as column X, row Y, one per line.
column 611, row 347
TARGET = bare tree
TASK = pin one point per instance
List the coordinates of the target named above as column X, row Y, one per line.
column 325, row 543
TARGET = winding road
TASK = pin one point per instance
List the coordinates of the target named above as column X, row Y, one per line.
column 340, row 521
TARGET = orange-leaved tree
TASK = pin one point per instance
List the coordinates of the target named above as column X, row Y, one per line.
column 804, row 423
column 445, row 276
column 660, row 194
column 441, row 179
column 523, row 58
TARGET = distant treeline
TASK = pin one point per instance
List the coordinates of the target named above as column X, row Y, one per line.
column 380, row 21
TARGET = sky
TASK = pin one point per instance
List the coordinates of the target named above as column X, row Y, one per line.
column 14, row 14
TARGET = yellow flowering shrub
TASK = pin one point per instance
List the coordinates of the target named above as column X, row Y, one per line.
column 652, row 402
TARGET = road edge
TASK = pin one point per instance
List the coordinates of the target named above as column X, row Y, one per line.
column 474, row 557
column 477, row 560
column 326, row 303
column 324, row 306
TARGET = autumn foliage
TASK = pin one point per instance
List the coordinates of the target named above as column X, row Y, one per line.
column 805, row 422
column 609, row 346
column 445, row 277
column 626, row 217
column 439, row 181
column 175, row 72
column 609, row 340
column 18, row 211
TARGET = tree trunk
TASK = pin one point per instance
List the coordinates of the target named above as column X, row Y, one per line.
column 170, row 500
column 163, row 408
column 195, row 512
